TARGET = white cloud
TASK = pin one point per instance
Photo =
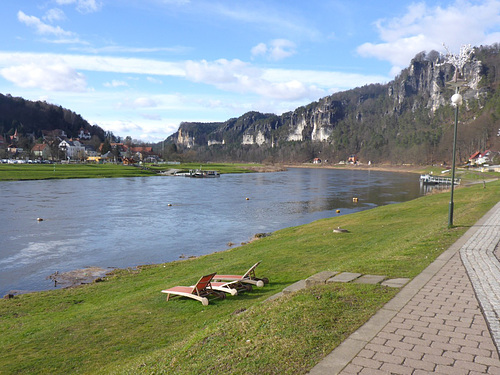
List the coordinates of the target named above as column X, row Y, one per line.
column 228, row 75
column 50, row 77
column 265, row 15
column 41, row 27
column 141, row 102
column 259, row 49
column 144, row 103
column 278, row 49
column 125, row 49
column 426, row 28
column 88, row 6
column 54, row 14
column 98, row 63
column 115, row 83
column 154, row 80
column 83, row 6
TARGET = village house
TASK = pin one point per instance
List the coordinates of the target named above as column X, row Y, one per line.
column 41, row 150
column 480, row 158
column 73, row 150
column 353, row 159
column 84, row 134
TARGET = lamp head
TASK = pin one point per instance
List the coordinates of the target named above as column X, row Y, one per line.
column 456, row 99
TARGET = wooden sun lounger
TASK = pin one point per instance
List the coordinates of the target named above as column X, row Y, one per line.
column 200, row 292
column 225, row 286
column 247, row 278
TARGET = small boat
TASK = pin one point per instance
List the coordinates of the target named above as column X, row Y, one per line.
column 198, row 173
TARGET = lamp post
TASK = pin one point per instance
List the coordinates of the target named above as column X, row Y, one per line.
column 456, row 100
column 458, row 61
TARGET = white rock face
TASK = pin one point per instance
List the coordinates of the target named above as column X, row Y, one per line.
column 260, row 139
column 321, row 133
column 247, row 139
column 213, row 142
column 296, row 135
column 185, row 139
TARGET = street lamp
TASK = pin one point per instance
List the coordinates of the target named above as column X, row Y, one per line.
column 458, row 61
column 456, row 100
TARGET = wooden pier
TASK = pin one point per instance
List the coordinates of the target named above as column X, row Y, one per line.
column 429, row 179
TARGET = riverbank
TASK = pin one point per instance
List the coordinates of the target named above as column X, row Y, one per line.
column 132, row 329
column 365, row 167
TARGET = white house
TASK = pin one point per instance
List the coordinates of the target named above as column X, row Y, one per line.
column 84, row 134
column 73, row 149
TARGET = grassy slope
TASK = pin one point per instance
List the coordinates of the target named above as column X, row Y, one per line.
column 124, row 325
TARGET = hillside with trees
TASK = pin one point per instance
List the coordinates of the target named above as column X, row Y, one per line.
column 408, row 120
column 24, row 123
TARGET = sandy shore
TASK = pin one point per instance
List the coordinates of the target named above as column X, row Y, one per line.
column 363, row 167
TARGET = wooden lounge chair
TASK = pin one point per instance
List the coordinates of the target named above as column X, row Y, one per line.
column 230, row 287
column 247, row 278
column 200, row 292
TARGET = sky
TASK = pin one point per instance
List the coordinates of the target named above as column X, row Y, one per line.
column 139, row 68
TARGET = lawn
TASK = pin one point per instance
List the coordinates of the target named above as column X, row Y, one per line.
column 124, row 324
column 14, row 172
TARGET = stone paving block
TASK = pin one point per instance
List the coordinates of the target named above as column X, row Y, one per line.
column 395, row 283
column 370, row 279
column 320, row 278
column 344, row 277
column 299, row 285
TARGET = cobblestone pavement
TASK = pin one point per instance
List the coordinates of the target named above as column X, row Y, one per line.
column 435, row 324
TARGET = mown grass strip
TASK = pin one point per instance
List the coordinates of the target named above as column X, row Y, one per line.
column 16, row 172
column 124, row 325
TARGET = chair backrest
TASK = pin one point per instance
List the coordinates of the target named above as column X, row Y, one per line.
column 251, row 271
column 203, row 283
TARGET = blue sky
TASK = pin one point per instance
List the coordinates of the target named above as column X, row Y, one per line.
column 140, row 67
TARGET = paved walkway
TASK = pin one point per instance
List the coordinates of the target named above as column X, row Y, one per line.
column 436, row 323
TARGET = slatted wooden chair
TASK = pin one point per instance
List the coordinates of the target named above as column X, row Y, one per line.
column 200, row 292
column 247, row 278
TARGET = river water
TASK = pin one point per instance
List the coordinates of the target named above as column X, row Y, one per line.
column 125, row 222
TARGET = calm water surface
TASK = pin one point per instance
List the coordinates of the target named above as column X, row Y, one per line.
column 124, row 222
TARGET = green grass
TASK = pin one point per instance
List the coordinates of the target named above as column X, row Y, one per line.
column 220, row 167
column 14, row 172
column 124, row 325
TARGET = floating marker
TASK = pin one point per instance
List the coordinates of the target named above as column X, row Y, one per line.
column 170, row 205
column 355, row 200
column 248, row 199
column 39, row 219
column 338, row 211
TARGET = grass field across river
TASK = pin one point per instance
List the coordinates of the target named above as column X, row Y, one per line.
column 125, row 326
column 14, row 172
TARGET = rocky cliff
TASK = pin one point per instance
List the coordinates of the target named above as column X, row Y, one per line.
column 406, row 120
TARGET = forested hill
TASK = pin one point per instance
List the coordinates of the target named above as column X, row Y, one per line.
column 31, row 118
column 408, row 120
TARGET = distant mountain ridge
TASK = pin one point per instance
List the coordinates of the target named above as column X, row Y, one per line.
column 408, row 120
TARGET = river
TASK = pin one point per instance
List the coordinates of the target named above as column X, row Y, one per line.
column 125, row 222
